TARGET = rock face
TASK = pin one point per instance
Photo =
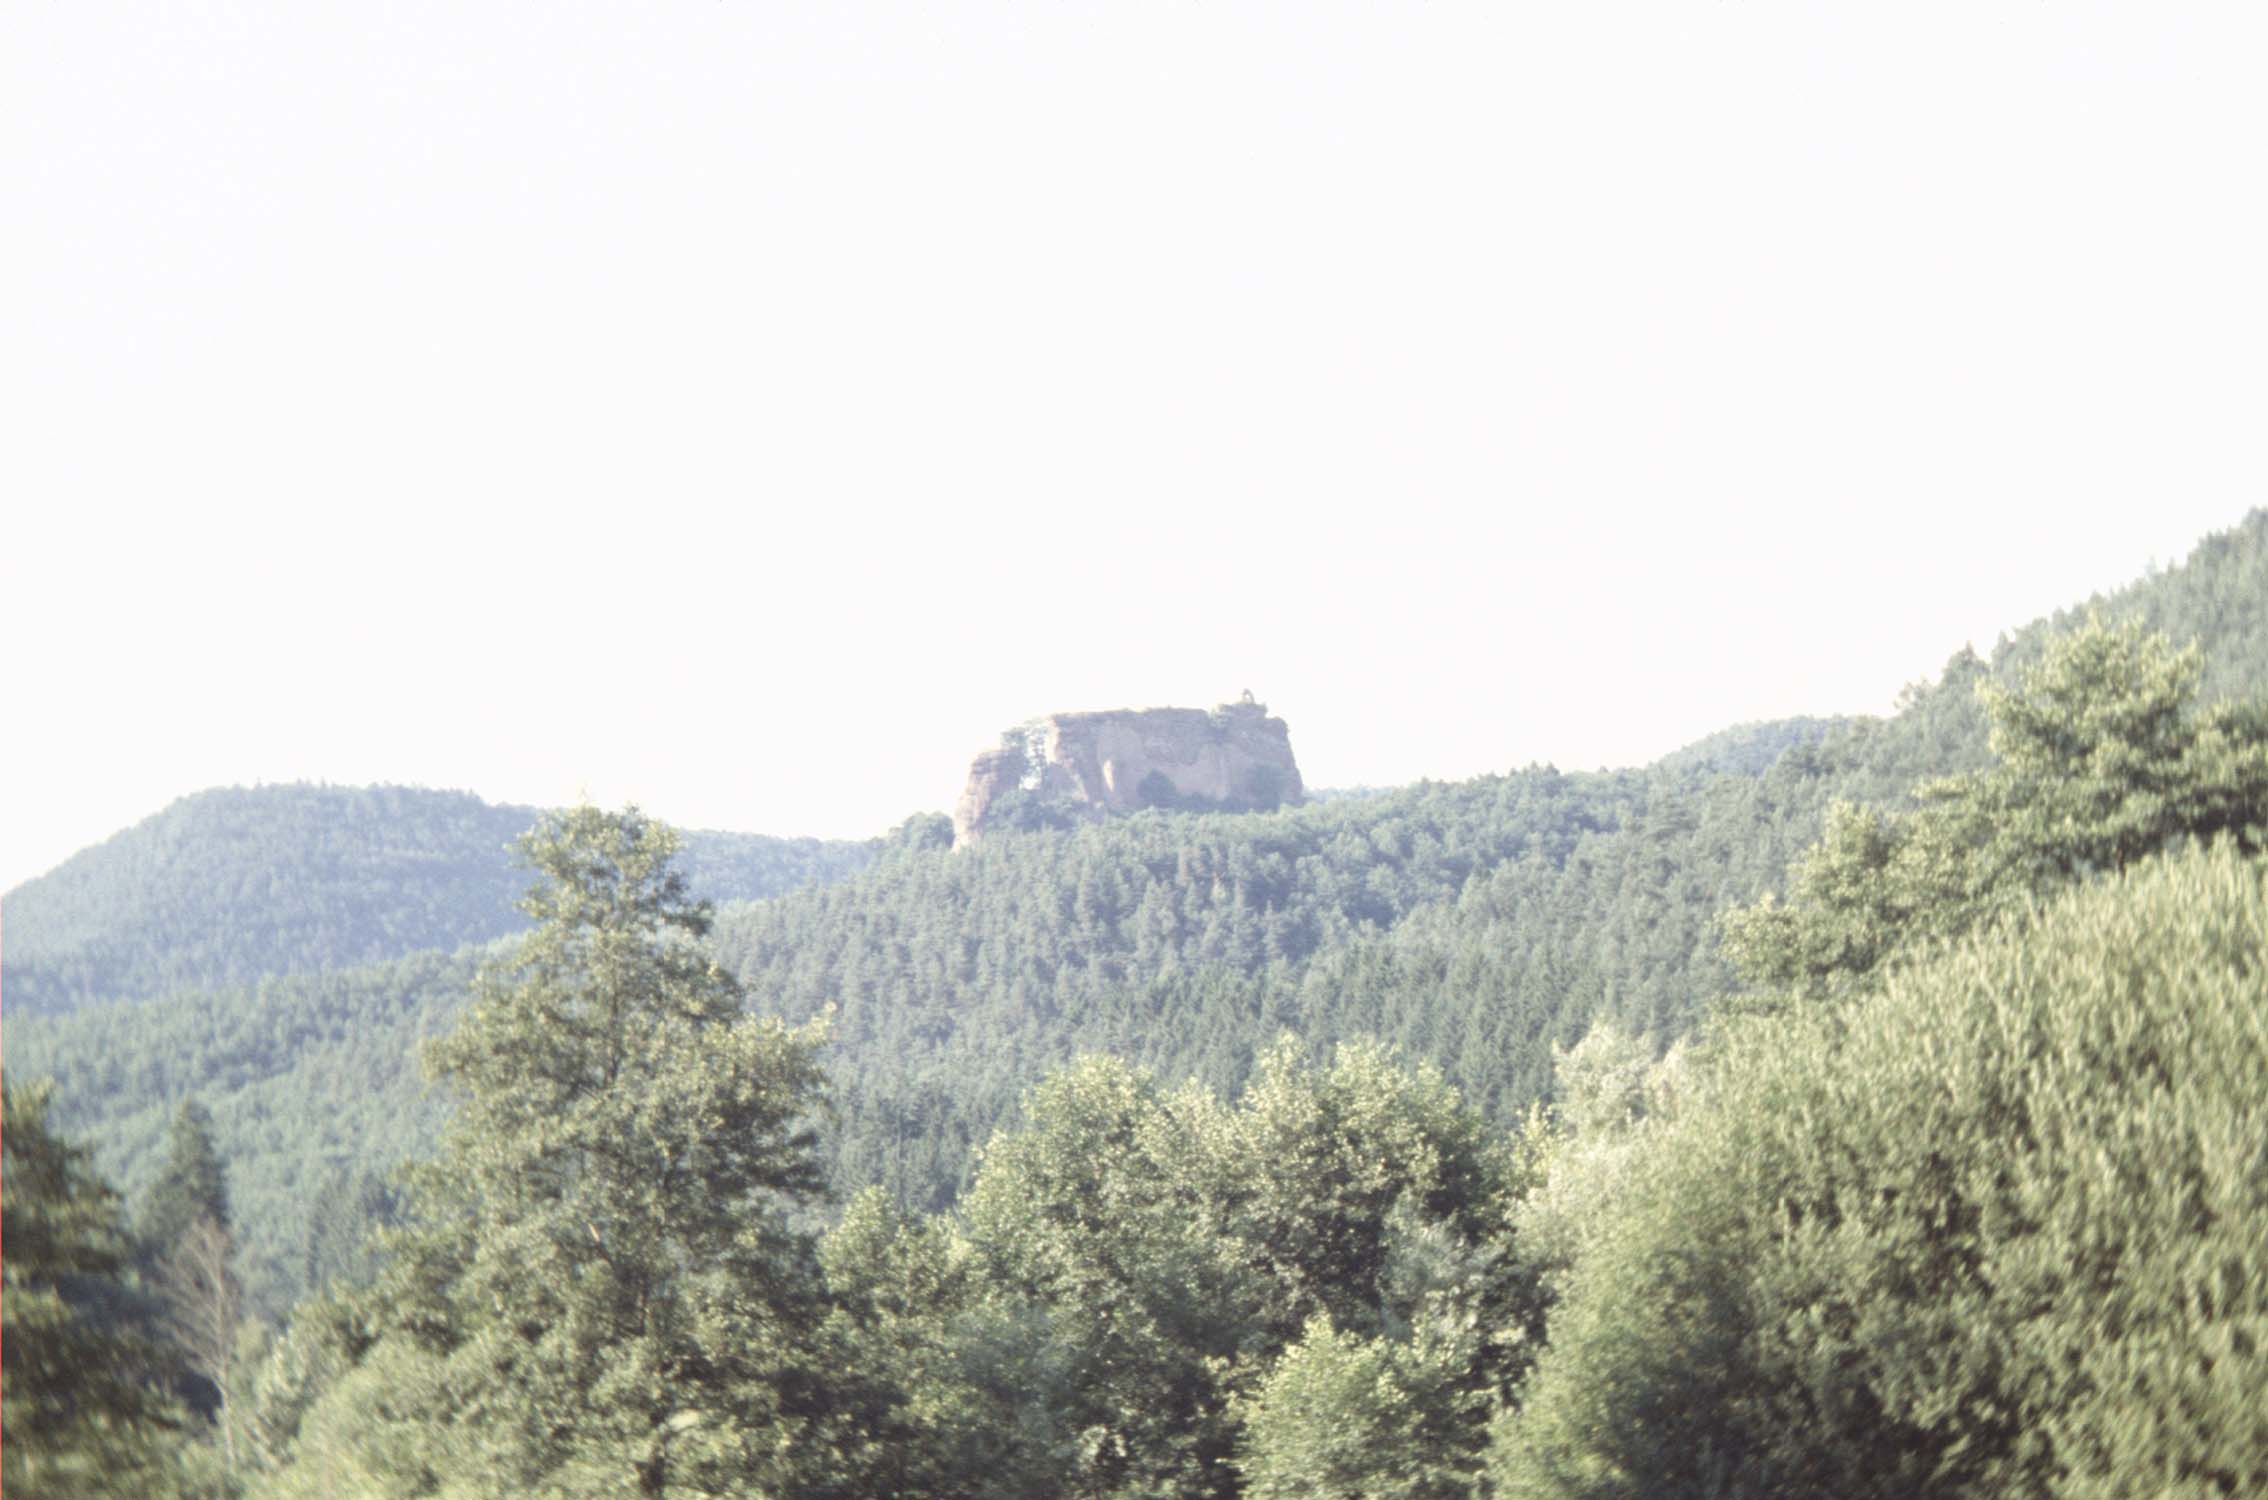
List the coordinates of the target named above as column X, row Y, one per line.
column 1067, row 768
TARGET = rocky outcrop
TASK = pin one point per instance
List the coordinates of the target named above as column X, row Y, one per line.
column 1067, row 768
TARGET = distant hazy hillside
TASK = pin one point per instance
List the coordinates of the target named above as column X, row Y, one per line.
column 313, row 1082
column 1750, row 749
column 235, row 885
column 1474, row 924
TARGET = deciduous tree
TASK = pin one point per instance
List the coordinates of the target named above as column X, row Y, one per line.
column 2103, row 758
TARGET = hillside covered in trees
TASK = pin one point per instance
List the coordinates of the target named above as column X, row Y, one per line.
column 1475, row 925
column 240, row 884
column 1834, row 1108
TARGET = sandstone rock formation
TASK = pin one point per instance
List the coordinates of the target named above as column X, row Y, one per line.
column 1083, row 766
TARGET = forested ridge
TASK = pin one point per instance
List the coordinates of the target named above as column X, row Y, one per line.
column 1835, row 1108
column 312, row 1085
column 1475, row 925
column 239, row 884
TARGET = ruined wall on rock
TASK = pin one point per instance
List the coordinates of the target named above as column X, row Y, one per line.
column 1086, row 766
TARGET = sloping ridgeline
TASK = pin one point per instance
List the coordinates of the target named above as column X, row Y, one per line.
column 235, row 885
column 312, row 1080
column 278, row 953
column 1476, row 924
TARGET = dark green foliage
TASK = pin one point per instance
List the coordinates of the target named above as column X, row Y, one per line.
column 186, row 1249
column 1263, row 789
column 1995, row 1230
column 232, row 886
column 1346, row 1418
column 922, row 831
column 1477, row 925
column 192, row 1185
column 1172, row 1248
column 1315, row 1288
column 964, row 1393
column 1028, row 810
column 1129, row 1268
column 306, row 1078
column 958, row 978
column 2101, row 760
column 1752, row 749
column 346, row 1216
column 599, row 1293
column 81, row 1416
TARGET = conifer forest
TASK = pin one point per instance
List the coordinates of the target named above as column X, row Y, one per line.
column 1838, row 1107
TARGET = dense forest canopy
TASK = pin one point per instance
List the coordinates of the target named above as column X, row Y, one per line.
column 1836, row 1107
column 240, row 884
column 1478, row 925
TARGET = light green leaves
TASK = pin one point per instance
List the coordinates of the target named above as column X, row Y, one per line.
column 1994, row 1229
column 601, row 1295
column 2103, row 760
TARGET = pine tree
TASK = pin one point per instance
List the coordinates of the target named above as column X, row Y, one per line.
column 605, row 1263
column 81, row 1418
column 192, row 1185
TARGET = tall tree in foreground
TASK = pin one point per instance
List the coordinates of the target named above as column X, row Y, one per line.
column 187, row 1247
column 80, row 1417
column 601, row 1297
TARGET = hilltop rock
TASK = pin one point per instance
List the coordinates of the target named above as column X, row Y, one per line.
column 1081, row 767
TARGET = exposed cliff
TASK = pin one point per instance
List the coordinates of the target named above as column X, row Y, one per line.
column 1079, row 767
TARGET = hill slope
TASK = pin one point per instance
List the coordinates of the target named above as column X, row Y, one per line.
column 235, row 885
column 1475, row 924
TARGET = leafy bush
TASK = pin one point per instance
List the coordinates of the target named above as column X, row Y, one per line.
column 1996, row 1230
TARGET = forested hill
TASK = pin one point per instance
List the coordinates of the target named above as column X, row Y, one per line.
column 312, row 1081
column 1475, row 925
column 234, row 885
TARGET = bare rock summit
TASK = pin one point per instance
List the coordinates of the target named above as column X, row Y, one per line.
column 1081, row 767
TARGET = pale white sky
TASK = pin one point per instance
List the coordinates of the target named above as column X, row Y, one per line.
column 750, row 408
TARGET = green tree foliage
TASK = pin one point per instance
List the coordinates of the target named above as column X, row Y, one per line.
column 202, row 1316
column 602, row 1295
column 1994, row 1230
column 1345, row 1418
column 1173, row 1248
column 1323, row 1174
column 286, row 1377
column 2105, row 758
column 80, row 1415
column 235, row 885
column 308, row 1079
column 1091, row 1215
column 2102, row 759
column 191, row 1186
column 1487, row 927
column 1478, row 925
column 1175, row 941
column 964, row 1392
column 1611, row 1097
column 351, row 1210
column 186, row 1247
